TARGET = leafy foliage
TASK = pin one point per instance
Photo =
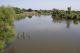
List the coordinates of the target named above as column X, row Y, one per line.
column 66, row 14
column 7, row 15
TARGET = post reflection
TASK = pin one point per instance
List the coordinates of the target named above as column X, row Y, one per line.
column 67, row 21
column 23, row 35
column 30, row 17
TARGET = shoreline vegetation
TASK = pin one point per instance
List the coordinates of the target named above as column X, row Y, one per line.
column 7, row 32
column 66, row 14
column 8, row 14
column 69, row 14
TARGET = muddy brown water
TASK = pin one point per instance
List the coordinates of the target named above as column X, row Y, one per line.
column 43, row 34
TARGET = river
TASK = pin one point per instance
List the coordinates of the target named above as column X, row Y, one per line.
column 43, row 34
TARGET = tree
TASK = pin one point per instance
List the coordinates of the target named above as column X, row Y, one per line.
column 17, row 10
column 29, row 10
column 69, row 10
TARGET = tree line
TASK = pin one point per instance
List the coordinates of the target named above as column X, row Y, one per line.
column 68, row 14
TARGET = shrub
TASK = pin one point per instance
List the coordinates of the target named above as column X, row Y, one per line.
column 7, row 15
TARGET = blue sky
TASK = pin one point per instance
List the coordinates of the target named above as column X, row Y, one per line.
column 42, row 4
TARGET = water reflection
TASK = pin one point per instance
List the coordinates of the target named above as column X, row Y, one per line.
column 67, row 21
column 30, row 17
column 23, row 35
column 46, row 34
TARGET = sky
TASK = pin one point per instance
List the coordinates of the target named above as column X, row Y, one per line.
column 43, row 4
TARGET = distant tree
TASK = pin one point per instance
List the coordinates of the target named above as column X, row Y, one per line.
column 56, row 12
column 29, row 10
column 17, row 10
column 24, row 10
column 69, row 10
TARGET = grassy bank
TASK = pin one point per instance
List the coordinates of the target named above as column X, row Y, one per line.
column 25, row 14
column 7, row 15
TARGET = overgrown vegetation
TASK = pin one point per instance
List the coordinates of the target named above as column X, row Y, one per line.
column 7, row 15
column 44, row 12
column 66, row 14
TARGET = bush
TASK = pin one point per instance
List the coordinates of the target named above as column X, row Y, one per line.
column 7, row 15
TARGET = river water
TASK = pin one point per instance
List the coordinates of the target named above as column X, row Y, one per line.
column 44, row 34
